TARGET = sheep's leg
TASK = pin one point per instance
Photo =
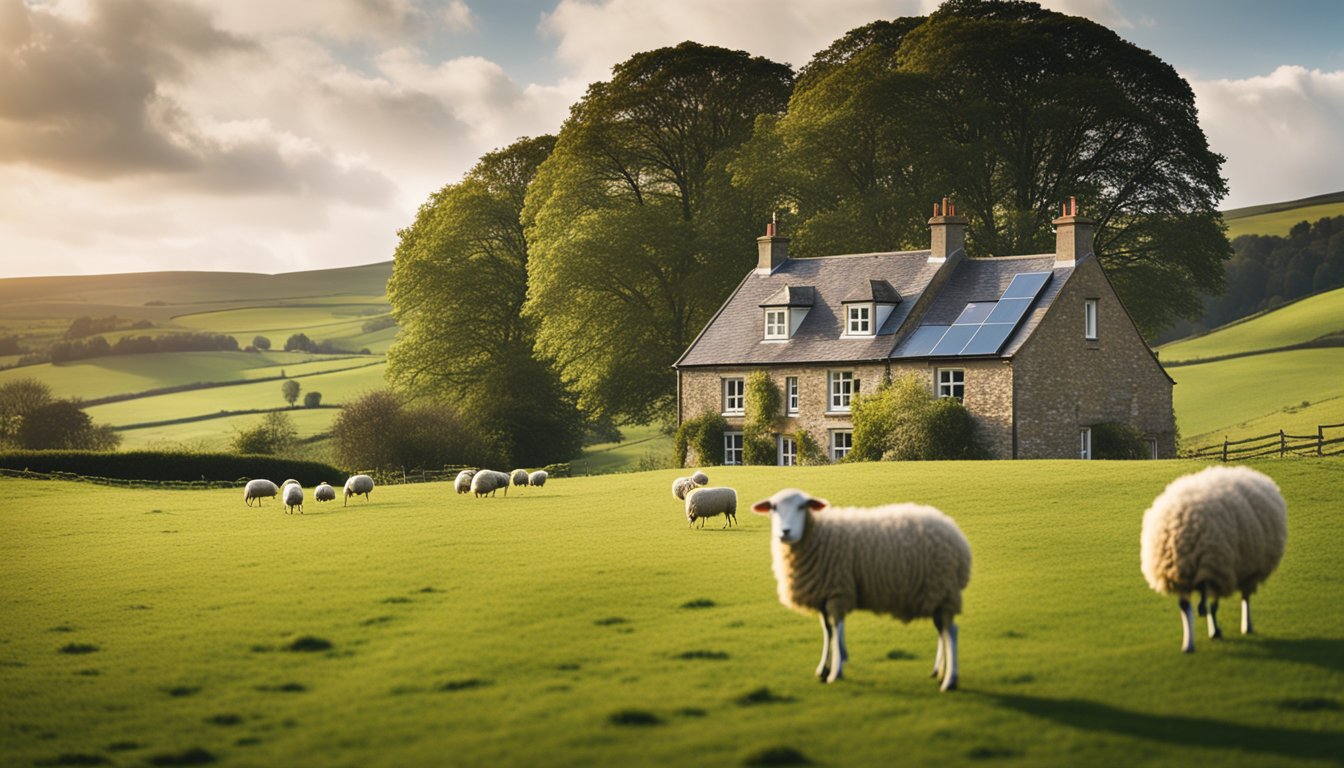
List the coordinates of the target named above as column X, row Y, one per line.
column 824, row 667
column 1187, row 625
column 1214, row 632
column 844, row 652
column 1245, row 613
column 950, row 640
column 938, row 657
column 837, row 650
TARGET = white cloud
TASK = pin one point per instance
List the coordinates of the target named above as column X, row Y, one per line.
column 1280, row 133
column 457, row 17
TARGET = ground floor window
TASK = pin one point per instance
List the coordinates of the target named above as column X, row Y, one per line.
column 1152, row 447
column 841, row 441
column 952, row 383
column 732, row 447
column 788, row 451
column 1085, row 443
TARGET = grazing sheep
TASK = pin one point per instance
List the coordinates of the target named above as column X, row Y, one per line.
column 708, row 502
column 293, row 497
column 462, row 484
column 682, row 486
column 537, row 479
column 700, row 478
column 356, row 486
column 903, row 560
column 324, row 492
column 256, row 489
column 488, row 481
column 1216, row 531
column 290, row 481
column 519, row 476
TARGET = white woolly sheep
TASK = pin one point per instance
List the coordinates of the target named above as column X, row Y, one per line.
column 293, row 497
column 256, row 489
column 902, row 560
column 1216, row 531
column 537, row 479
column 700, row 478
column 488, row 481
column 463, row 482
column 682, row 486
column 324, row 492
column 708, row 502
column 356, row 486
column 290, row 481
column 518, row 476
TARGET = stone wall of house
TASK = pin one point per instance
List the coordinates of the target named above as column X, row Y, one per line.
column 1065, row 382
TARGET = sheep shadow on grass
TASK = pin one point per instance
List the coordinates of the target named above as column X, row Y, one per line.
column 1324, row 652
column 1179, row 730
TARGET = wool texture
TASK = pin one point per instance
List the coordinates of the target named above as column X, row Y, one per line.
column 519, row 476
column 256, row 489
column 709, row 502
column 682, row 486
column 324, row 492
column 537, row 479
column 700, row 478
column 462, row 484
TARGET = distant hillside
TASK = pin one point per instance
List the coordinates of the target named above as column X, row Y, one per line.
column 1279, row 218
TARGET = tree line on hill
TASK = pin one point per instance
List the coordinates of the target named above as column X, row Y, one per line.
column 551, row 289
column 31, row 418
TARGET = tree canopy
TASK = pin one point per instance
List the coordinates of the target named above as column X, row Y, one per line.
column 637, row 235
column 1010, row 109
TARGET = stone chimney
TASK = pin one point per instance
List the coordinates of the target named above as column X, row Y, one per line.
column 1073, row 235
column 773, row 248
column 947, row 233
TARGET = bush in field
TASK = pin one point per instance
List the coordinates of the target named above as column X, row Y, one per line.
column 312, row 399
column 704, row 435
column 1117, row 441
column 902, row 421
column 18, row 398
column 31, row 419
column 379, row 430
column 289, row 389
column 300, row 342
column 261, row 342
column 274, row 434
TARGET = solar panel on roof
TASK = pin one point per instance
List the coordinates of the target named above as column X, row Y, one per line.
column 952, row 341
column 983, row 327
column 1026, row 285
column 988, row 338
column 922, row 341
column 1008, row 311
column 975, row 313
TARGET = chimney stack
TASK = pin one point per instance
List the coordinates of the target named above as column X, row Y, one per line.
column 947, row 232
column 1073, row 235
column 773, row 248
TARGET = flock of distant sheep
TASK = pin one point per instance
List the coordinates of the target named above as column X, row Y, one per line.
column 1212, row 533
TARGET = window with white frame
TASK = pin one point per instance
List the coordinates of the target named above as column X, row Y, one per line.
column 788, row 451
column 776, row 324
column 952, row 383
column 1152, row 447
column 841, row 441
column 860, row 320
column 1090, row 319
column 843, row 386
column 734, row 396
column 1085, row 443
column 791, row 395
column 732, row 447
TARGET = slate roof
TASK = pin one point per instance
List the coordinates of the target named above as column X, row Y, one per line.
column 791, row 296
column 879, row 291
column 735, row 336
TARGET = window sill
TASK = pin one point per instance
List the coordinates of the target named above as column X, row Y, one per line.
column 838, row 413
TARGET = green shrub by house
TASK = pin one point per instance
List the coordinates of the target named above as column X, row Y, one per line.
column 704, row 434
column 763, row 404
column 1117, row 441
column 903, row 421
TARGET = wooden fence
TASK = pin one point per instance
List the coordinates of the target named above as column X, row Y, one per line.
column 1278, row 444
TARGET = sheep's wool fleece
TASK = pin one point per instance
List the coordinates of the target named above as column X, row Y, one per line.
column 358, row 484
column 488, row 480
column 519, row 477
column 293, row 495
column 462, row 483
column 700, row 478
column 324, row 492
column 681, row 486
column 708, row 502
column 255, row 489
column 1223, row 527
column 537, row 478
column 903, row 560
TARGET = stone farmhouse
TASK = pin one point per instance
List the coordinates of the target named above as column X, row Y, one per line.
column 1038, row 348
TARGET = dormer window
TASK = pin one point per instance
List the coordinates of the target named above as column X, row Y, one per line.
column 776, row 323
column 860, row 320
column 785, row 310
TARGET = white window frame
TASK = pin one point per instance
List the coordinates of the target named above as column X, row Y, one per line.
column 839, row 396
column 952, row 383
column 1090, row 319
column 838, row 452
column 791, row 395
column 734, row 396
column 1085, row 443
column 779, row 329
column 732, row 448
column 788, row 451
column 1152, row 447
column 858, row 319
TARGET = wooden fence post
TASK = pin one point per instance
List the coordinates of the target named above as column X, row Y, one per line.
column 1283, row 444
column 1320, row 439
column 1224, row 449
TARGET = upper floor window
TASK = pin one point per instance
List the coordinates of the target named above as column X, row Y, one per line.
column 791, row 395
column 952, row 383
column 776, row 324
column 841, row 441
column 860, row 320
column 734, row 396
column 1090, row 319
column 843, row 387
column 732, row 447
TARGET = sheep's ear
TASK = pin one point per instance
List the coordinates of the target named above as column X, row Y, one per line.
column 816, row 504
column 761, row 507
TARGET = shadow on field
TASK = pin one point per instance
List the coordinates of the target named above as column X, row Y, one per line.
column 1324, row 652
column 1180, row 730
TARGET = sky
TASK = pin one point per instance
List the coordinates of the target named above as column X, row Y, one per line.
column 265, row 136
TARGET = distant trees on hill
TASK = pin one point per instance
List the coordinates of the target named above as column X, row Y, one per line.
column 88, row 326
column 82, row 349
column 300, row 342
column 31, row 419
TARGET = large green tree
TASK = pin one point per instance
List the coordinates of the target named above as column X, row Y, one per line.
column 459, row 281
column 637, row 234
column 1011, row 109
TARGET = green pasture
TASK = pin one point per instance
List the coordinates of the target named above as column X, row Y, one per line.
column 647, row 443
column 217, row 434
column 1302, row 321
column 584, row 624
column 1280, row 222
column 1247, row 396
column 336, row 387
column 280, row 321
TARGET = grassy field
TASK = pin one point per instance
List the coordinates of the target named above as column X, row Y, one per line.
column 1278, row 218
column 211, row 435
column 583, row 624
column 1302, row 321
column 638, row 443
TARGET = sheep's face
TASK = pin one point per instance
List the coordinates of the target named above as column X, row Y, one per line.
column 788, row 512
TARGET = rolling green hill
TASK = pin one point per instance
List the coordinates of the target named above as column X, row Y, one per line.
column 1278, row 218
column 1307, row 320
column 584, row 624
